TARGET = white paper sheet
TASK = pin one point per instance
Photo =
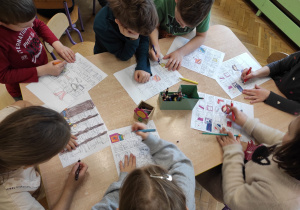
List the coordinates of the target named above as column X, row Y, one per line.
column 123, row 142
column 76, row 79
column 204, row 60
column 89, row 128
column 229, row 76
column 207, row 115
column 160, row 80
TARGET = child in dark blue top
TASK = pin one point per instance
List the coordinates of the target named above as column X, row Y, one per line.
column 122, row 28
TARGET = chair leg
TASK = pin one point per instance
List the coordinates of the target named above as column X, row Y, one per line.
column 70, row 38
column 80, row 20
column 53, row 56
column 94, row 5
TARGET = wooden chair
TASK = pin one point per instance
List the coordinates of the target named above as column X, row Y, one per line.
column 276, row 56
column 58, row 24
column 58, row 4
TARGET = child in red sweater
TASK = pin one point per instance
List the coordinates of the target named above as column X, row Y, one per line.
column 23, row 58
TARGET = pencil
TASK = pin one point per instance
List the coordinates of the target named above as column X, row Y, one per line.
column 56, row 62
column 146, row 130
column 221, row 134
column 188, row 80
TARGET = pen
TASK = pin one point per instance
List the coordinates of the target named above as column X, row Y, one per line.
column 188, row 80
column 221, row 134
column 77, row 171
column 248, row 72
column 158, row 60
column 146, row 130
column 56, row 62
column 233, row 116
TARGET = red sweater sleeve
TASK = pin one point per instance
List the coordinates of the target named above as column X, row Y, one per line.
column 43, row 31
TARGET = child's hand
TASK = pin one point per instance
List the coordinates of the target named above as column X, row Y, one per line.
column 155, row 56
column 240, row 117
column 227, row 140
column 64, row 52
column 256, row 95
column 175, row 59
column 71, row 182
column 141, row 76
column 51, row 68
column 72, row 144
column 140, row 126
column 129, row 165
column 249, row 76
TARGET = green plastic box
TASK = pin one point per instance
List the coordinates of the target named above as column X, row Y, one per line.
column 185, row 104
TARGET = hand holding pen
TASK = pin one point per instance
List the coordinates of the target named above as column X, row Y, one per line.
column 247, row 74
column 240, row 117
column 156, row 54
column 140, row 126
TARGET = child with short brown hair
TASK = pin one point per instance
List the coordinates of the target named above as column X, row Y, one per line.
column 122, row 28
column 23, row 57
column 168, row 185
column 179, row 17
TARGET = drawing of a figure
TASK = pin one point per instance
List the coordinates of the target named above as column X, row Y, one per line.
column 237, row 86
column 208, row 124
column 60, row 94
column 198, row 60
column 156, row 78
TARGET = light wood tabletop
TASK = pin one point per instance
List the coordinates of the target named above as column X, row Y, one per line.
column 116, row 108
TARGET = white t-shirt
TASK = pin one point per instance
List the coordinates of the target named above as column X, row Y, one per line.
column 16, row 191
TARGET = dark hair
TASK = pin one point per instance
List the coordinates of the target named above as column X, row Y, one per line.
column 30, row 136
column 140, row 191
column 137, row 15
column 193, row 12
column 287, row 156
column 16, row 11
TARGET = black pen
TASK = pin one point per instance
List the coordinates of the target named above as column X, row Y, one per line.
column 77, row 171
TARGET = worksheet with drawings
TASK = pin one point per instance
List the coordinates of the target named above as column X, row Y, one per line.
column 89, row 128
column 75, row 80
column 160, row 80
column 229, row 76
column 204, row 60
column 208, row 116
column 125, row 142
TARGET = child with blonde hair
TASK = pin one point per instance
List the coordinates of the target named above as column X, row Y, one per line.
column 168, row 185
column 30, row 136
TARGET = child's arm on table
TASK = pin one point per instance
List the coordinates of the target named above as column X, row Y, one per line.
column 110, row 200
column 71, row 186
column 142, row 70
column 176, row 57
column 262, row 133
column 237, row 193
column 171, row 158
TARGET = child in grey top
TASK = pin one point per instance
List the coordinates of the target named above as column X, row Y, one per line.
column 151, row 187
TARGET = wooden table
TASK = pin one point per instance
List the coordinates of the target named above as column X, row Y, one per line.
column 116, row 108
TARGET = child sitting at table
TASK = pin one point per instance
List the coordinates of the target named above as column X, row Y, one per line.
column 286, row 75
column 179, row 17
column 168, row 185
column 30, row 136
column 122, row 28
column 271, row 177
column 23, row 58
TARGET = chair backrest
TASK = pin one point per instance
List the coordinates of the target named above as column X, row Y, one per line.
column 276, row 56
column 51, row 4
column 57, row 24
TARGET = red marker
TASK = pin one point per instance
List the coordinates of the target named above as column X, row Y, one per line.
column 248, row 72
column 233, row 116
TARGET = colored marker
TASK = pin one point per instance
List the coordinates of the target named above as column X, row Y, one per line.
column 56, row 62
column 221, row 134
column 193, row 97
column 77, row 171
column 188, row 80
column 233, row 115
column 145, row 130
column 248, row 72
column 158, row 60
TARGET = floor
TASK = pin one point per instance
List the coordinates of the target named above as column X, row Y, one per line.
column 258, row 34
